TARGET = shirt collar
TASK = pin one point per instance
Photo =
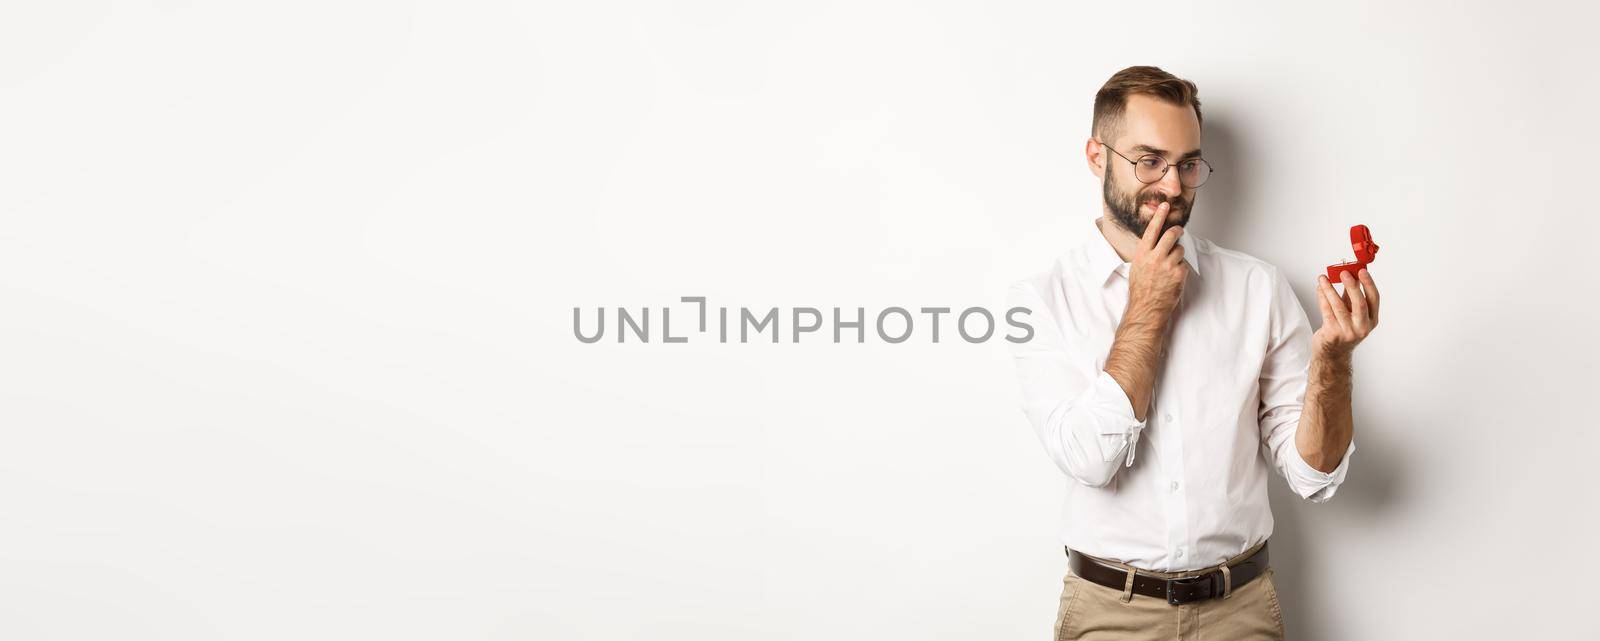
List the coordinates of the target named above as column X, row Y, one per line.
column 1103, row 258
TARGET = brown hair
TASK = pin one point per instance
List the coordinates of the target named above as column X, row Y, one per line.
column 1112, row 99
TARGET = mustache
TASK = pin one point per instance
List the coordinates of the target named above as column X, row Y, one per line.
column 1176, row 202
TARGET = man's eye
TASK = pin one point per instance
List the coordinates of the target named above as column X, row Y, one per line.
column 1189, row 165
column 1151, row 163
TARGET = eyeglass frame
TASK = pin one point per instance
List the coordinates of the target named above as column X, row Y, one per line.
column 1166, row 168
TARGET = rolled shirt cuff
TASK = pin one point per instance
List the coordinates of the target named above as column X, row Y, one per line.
column 1117, row 425
column 1312, row 483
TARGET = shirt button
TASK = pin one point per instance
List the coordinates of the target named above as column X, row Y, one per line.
column 1174, row 486
column 1180, row 553
column 1166, row 417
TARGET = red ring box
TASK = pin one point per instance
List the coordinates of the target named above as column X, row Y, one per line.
column 1366, row 252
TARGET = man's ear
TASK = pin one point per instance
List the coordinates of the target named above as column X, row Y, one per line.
column 1095, row 154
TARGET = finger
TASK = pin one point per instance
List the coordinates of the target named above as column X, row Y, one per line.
column 1371, row 287
column 1358, row 302
column 1173, row 258
column 1322, row 303
column 1168, row 241
column 1152, row 231
column 1340, row 312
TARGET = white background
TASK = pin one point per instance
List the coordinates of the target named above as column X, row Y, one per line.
column 286, row 294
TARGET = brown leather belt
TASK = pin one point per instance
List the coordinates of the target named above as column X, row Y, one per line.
column 1177, row 591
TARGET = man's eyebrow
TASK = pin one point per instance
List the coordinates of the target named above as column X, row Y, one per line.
column 1193, row 153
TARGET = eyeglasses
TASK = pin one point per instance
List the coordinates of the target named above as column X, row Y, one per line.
column 1149, row 168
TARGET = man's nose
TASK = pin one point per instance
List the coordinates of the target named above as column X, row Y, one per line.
column 1169, row 185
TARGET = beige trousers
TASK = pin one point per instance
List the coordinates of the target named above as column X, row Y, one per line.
column 1090, row 612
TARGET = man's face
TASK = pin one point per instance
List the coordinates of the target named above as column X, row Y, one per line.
column 1150, row 126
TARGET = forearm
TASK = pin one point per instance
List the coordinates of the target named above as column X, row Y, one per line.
column 1326, row 423
column 1136, row 353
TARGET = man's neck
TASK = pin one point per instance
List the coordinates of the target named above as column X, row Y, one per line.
column 1125, row 243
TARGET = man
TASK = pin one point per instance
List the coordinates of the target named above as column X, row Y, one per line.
column 1165, row 376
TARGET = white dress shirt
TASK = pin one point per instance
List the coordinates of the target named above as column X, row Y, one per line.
column 1187, row 487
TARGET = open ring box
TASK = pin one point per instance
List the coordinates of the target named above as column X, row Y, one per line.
column 1366, row 252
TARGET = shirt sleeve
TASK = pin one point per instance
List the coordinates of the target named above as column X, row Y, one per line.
column 1284, row 376
column 1080, row 413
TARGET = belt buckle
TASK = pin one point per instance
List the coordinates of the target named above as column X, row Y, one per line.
column 1172, row 598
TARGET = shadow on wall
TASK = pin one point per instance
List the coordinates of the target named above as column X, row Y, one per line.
column 1224, row 199
column 1376, row 471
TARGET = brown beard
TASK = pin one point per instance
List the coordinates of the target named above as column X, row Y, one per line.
column 1125, row 208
